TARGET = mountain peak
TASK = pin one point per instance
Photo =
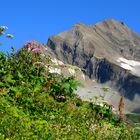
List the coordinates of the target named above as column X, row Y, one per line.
column 107, row 51
column 112, row 21
column 78, row 24
column 109, row 38
column 111, row 24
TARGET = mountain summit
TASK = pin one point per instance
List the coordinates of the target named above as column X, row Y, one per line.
column 108, row 51
column 107, row 37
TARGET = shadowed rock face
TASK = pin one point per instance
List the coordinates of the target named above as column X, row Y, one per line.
column 97, row 49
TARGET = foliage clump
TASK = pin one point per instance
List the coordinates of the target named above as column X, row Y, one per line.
column 37, row 104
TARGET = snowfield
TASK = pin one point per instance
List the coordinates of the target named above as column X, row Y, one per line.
column 133, row 66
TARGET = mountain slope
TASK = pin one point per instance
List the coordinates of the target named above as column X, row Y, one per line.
column 107, row 51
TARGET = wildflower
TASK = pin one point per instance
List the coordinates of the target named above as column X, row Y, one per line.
column 113, row 108
column 93, row 127
column 9, row 35
column 28, row 42
column 101, row 104
column 121, row 108
column 83, row 76
column 54, row 70
column 71, row 71
column 60, row 62
column 45, row 48
column 2, row 33
column 69, row 128
column 31, row 45
column 52, row 117
column 62, row 98
column 42, row 56
column 2, row 28
column 37, row 50
column 62, row 65
column 54, row 61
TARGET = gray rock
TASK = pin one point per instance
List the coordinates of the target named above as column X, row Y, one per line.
column 97, row 48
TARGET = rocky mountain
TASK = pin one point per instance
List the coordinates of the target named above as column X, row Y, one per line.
column 108, row 52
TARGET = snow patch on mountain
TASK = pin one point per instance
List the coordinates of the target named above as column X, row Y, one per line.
column 131, row 65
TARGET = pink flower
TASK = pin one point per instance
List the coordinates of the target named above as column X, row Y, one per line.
column 62, row 65
column 34, row 47
column 30, row 44
column 36, row 50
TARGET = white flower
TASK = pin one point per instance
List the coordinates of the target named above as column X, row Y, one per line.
column 83, row 76
column 54, row 70
column 101, row 104
column 60, row 62
column 42, row 55
column 55, row 61
column 52, row 117
column 71, row 71
column 45, row 48
column 9, row 36
column 4, row 27
column 2, row 33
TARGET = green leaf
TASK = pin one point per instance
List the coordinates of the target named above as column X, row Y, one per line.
column 66, row 85
column 1, row 84
column 20, row 75
column 9, row 78
column 37, row 88
column 15, row 89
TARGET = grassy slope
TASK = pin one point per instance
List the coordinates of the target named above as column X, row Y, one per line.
column 36, row 107
column 72, row 119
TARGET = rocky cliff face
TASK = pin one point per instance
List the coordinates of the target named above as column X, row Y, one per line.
column 107, row 51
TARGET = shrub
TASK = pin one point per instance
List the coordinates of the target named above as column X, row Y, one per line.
column 37, row 104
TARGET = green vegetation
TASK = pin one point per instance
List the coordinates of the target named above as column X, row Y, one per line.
column 36, row 104
column 134, row 117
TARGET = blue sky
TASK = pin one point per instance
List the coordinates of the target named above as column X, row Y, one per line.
column 39, row 19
